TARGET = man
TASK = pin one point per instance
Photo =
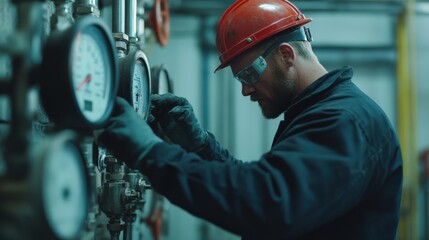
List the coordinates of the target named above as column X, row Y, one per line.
column 334, row 170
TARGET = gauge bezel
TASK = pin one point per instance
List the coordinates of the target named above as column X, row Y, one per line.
column 57, row 92
column 127, row 67
column 44, row 226
column 156, row 72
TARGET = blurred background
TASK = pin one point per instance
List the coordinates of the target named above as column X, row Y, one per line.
column 385, row 41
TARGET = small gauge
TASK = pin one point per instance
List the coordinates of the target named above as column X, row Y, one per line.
column 60, row 187
column 135, row 81
column 161, row 82
column 80, row 75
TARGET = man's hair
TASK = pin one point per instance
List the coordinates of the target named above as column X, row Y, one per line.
column 300, row 47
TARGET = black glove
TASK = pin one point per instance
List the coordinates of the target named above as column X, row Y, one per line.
column 127, row 135
column 178, row 121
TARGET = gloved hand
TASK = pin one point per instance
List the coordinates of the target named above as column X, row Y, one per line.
column 127, row 136
column 177, row 120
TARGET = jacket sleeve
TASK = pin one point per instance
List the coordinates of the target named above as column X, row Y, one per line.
column 215, row 152
column 315, row 173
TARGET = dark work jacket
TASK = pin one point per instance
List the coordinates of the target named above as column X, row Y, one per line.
column 334, row 172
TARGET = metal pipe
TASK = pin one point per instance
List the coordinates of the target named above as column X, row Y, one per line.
column 87, row 2
column 140, row 24
column 87, row 149
column 118, row 16
column 131, row 18
column 140, row 12
column 129, row 220
column 118, row 27
column 87, row 7
column 63, row 16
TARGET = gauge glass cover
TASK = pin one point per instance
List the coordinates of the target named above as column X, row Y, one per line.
column 140, row 89
column 64, row 191
column 163, row 84
column 90, row 77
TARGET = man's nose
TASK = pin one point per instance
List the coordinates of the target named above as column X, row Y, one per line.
column 247, row 89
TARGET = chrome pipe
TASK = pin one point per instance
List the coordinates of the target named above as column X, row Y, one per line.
column 131, row 18
column 63, row 16
column 86, row 7
column 118, row 16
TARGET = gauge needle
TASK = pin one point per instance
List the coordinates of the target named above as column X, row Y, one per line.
column 85, row 81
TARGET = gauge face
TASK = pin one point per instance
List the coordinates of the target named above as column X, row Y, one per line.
column 64, row 191
column 161, row 82
column 90, row 77
column 140, row 88
column 135, row 82
column 137, row 89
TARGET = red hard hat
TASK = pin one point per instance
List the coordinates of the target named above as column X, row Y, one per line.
column 247, row 22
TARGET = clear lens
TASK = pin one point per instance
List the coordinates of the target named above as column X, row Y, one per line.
column 248, row 75
column 252, row 73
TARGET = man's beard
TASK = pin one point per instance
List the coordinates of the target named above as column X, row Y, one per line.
column 284, row 90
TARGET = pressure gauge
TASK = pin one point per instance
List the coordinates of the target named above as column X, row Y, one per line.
column 80, row 75
column 135, row 81
column 161, row 82
column 60, row 185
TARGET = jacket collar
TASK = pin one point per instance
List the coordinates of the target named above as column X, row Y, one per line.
column 311, row 94
column 318, row 88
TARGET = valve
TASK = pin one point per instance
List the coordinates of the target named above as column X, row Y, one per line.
column 159, row 21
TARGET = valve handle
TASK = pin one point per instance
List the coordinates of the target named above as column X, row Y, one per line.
column 155, row 218
column 159, row 21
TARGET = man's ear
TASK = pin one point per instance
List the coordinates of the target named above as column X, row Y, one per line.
column 287, row 53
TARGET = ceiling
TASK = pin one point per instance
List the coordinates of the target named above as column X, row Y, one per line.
column 209, row 7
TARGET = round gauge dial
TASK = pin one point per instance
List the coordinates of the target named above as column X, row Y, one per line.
column 161, row 82
column 135, row 81
column 80, row 75
column 89, row 77
column 139, row 86
column 61, row 188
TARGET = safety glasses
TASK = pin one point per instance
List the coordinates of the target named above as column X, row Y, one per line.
column 253, row 72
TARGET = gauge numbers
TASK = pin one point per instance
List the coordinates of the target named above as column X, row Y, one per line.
column 89, row 77
column 135, row 82
column 139, row 89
